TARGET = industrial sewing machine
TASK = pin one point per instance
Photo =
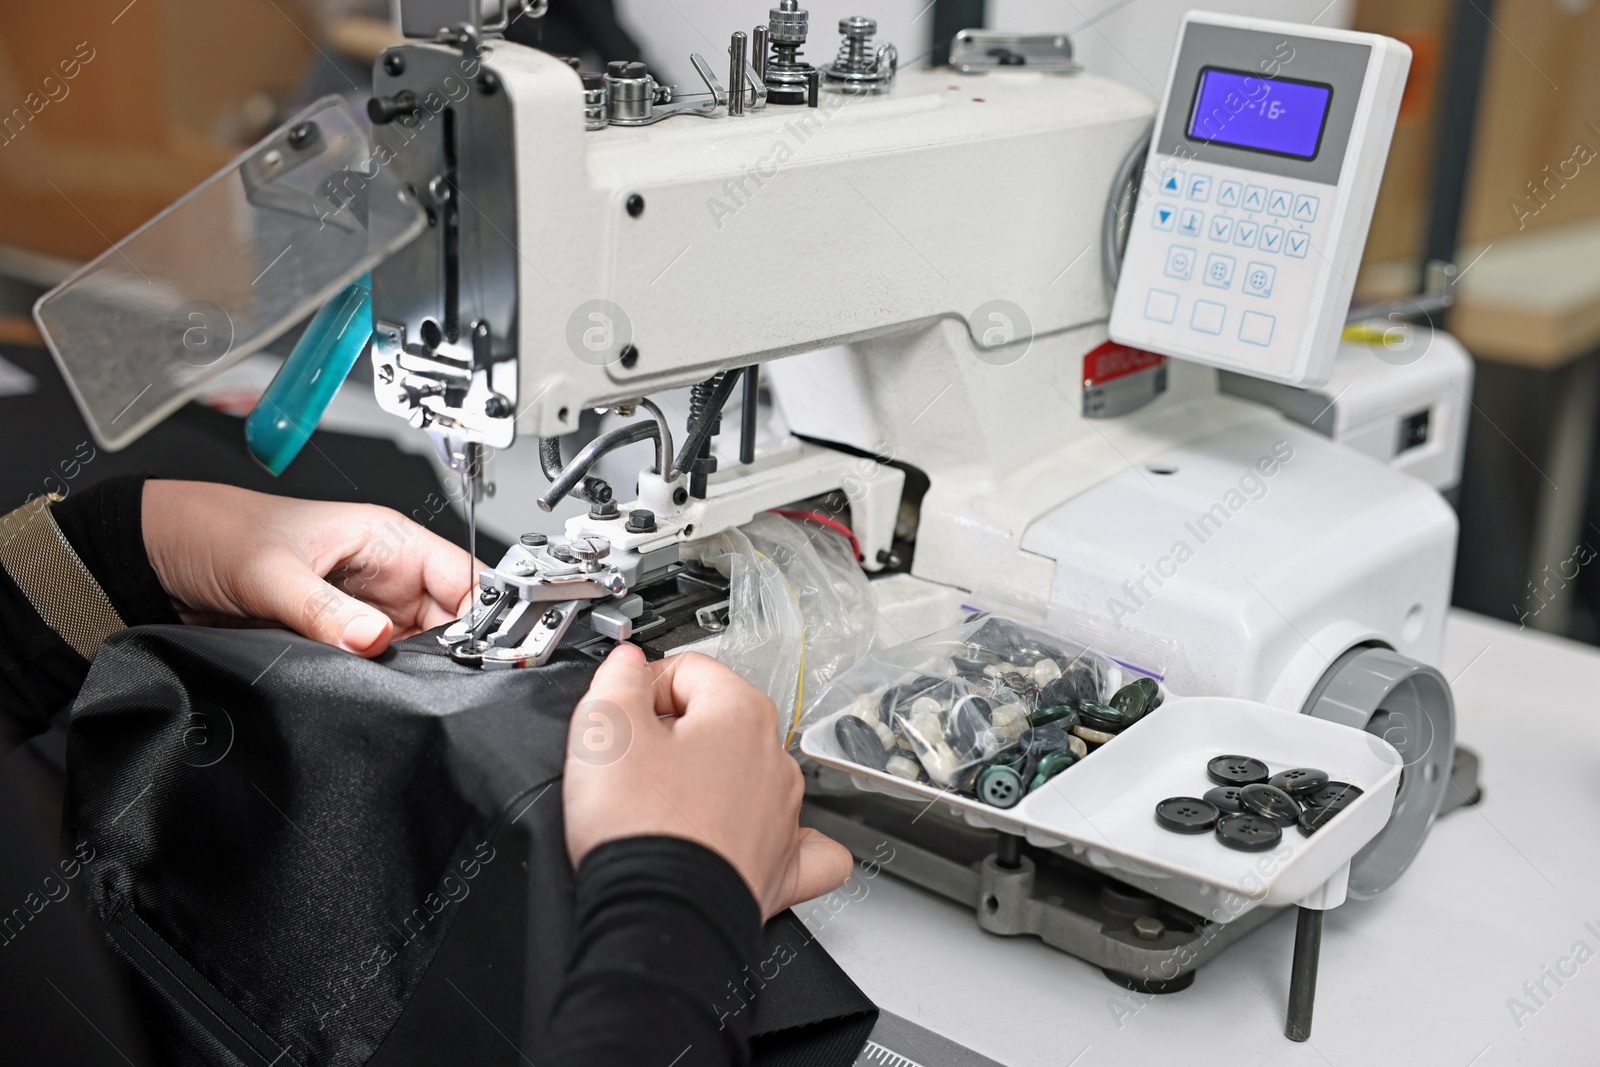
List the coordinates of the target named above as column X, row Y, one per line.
column 919, row 267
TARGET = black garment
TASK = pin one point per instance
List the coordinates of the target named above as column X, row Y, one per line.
column 663, row 926
column 39, row 672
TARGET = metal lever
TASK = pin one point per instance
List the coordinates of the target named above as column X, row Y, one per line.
column 643, row 112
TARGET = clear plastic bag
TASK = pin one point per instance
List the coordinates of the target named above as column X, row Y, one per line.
column 992, row 708
column 801, row 611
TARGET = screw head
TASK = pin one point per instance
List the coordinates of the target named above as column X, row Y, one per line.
column 603, row 509
column 534, row 540
column 590, row 549
column 629, row 356
column 302, row 135
column 488, row 83
column 858, row 26
column 680, row 495
column 641, row 521
column 1148, row 928
column 497, row 407
column 636, row 205
column 394, row 64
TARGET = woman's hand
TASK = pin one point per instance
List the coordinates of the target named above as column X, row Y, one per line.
column 354, row 576
column 686, row 748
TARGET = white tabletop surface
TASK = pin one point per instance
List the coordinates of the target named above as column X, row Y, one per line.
column 1428, row 973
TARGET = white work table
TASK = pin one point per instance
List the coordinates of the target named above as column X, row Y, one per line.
column 1421, row 975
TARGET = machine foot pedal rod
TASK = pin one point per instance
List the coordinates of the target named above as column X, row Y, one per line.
column 1303, row 974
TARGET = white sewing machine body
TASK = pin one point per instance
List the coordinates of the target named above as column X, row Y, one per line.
column 884, row 223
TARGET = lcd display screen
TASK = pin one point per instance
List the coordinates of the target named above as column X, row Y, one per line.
column 1275, row 115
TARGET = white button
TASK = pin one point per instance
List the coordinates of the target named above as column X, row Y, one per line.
column 1190, row 221
column 1256, row 328
column 1221, row 228
column 1255, row 198
column 1244, row 233
column 1228, row 194
column 1208, row 316
column 1180, row 262
column 1305, row 208
column 1163, row 217
column 1199, row 187
column 1219, row 270
column 1258, row 278
column 1271, row 239
column 1297, row 244
column 1171, row 185
column 1278, row 203
column 1161, row 306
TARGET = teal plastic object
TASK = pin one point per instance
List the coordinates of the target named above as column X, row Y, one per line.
column 288, row 412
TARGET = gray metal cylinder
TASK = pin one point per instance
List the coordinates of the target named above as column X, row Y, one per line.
column 1409, row 705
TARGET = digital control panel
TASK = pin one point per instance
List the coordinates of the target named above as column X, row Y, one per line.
column 1254, row 206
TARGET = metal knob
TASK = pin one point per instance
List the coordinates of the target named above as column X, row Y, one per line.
column 591, row 550
column 787, row 23
column 858, row 26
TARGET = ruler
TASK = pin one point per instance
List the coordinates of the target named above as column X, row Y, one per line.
column 897, row 1042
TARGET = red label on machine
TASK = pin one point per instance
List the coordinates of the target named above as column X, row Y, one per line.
column 1118, row 379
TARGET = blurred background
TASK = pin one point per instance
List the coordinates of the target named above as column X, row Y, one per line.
column 110, row 115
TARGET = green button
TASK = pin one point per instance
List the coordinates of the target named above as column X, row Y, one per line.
column 1133, row 700
column 1052, row 765
column 1000, row 787
column 1062, row 715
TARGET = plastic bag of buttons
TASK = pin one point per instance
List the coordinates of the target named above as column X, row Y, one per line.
column 800, row 608
column 992, row 709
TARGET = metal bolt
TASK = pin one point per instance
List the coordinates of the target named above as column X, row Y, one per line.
column 603, row 509
column 1148, row 928
column 302, row 135
column 394, row 64
column 551, row 619
column 534, row 540
column 641, row 521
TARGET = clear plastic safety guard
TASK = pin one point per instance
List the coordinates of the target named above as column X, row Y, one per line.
column 224, row 271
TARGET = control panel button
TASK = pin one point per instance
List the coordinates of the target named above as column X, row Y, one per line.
column 1199, row 187
column 1208, row 316
column 1297, row 244
column 1244, row 233
column 1279, row 202
column 1190, row 222
column 1305, row 208
column 1271, row 239
column 1161, row 306
column 1255, row 198
column 1171, row 185
column 1221, row 228
column 1180, row 262
column 1228, row 194
column 1163, row 217
column 1219, row 270
column 1256, row 328
column 1258, row 279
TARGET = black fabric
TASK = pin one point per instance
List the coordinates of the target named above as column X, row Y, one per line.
column 105, row 525
column 311, row 858
column 39, row 672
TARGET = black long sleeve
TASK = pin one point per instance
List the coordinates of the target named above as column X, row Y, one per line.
column 39, row 672
column 667, row 933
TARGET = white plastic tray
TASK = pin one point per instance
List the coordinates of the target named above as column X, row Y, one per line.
column 1101, row 810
